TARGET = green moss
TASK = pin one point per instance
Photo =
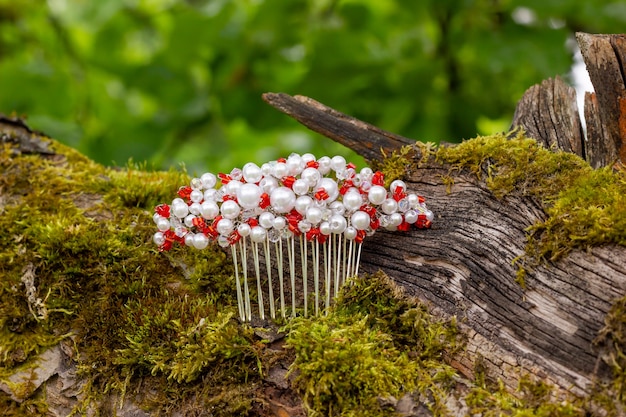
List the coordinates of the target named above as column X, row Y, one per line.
column 395, row 166
column 532, row 399
column 585, row 207
column 373, row 343
column 78, row 261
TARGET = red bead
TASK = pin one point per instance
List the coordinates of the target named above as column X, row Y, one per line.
column 398, row 194
column 313, row 164
column 375, row 224
column 228, row 197
column 234, row 237
column 288, row 181
column 252, row 221
column 321, row 195
column 404, row 226
column 184, row 192
column 347, row 184
column 314, row 233
column 163, row 210
column 350, row 165
column 283, row 160
column 369, row 210
column 265, row 201
column 225, row 178
column 360, row 235
column 198, row 222
column 378, row 178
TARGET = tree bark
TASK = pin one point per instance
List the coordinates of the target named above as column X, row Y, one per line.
column 463, row 266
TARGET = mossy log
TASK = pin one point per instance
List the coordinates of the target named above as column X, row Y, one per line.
column 534, row 293
column 466, row 265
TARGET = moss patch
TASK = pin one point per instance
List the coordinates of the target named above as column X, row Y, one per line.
column 532, row 399
column 372, row 344
column 585, row 207
column 78, row 261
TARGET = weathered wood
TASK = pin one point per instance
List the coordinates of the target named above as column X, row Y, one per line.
column 605, row 57
column 365, row 139
column 463, row 267
column 548, row 113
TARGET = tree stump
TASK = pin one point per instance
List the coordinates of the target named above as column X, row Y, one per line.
column 464, row 266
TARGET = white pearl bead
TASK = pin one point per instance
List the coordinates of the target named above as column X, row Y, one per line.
column 295, row 164
column 389, row 206
column 330, row 186
column 232, row 187
column 352, row 200
column 196, row 196
column 180, row 210
column 266, row 169
column 311, row 176
column 163, row 224
column 366, row 174
column 282, row 199
column 430, row 215
column 338, row 163
column 377, row 194
column 158, row 238
column 323, row 165
column 195, row 209
column 252, row 173
column 209, row 210
column 300, row 187
column 280, row 223
column 258, row 234
column 243, row 229
column 410, row 216
column 230, row 209
column 248, row 195
column 210, row 195
column 200, row 241
column 225, row 227
column 280, row 170
column 189, row 220
column 413, row 200
column 338, row 224
column 209, row 180
column 268, row 184
column 325, row 228
column 397, row 184
column 314, row 215
column 360, row 220
column 395, row 219
column 303, row 203
column 304, row 226
column 266, row 220
column 350, row 233
column 337, row 207
column 189, row 239
column 308, row 157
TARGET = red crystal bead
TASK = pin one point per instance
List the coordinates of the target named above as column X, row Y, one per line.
column 163, row 210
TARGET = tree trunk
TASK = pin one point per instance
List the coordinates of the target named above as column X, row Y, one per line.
column 464, row 266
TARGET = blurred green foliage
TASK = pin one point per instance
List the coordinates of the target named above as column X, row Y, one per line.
column 169, row 81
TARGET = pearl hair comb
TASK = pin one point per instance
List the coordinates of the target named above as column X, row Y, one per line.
column 317, row 209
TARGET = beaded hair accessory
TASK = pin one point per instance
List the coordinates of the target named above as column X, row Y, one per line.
column 323, row 204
